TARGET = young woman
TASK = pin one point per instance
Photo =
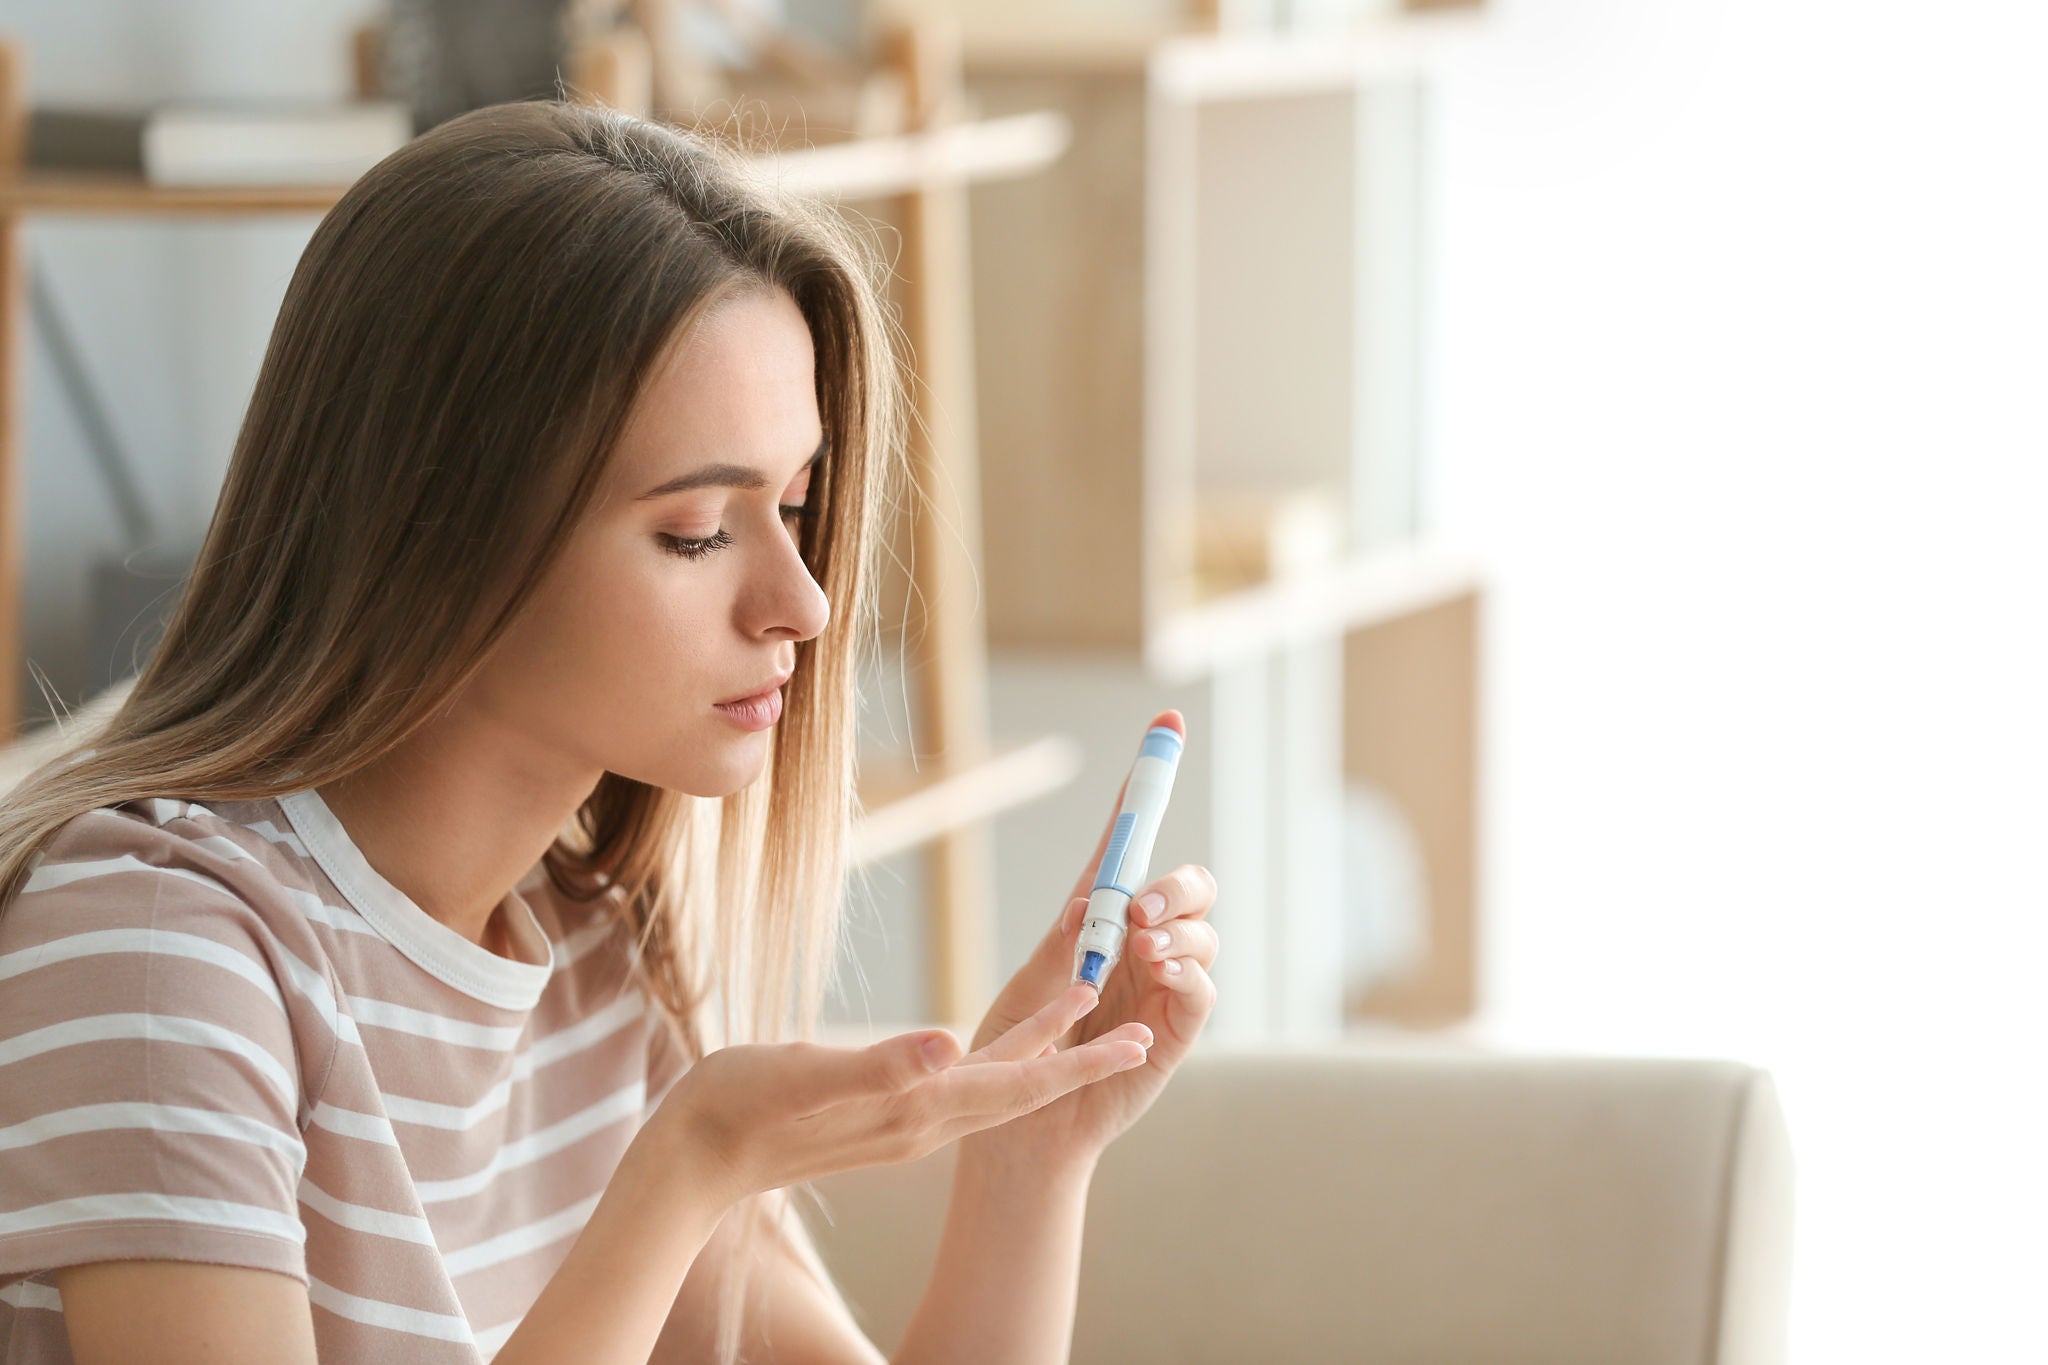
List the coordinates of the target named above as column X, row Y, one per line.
column 420, row 964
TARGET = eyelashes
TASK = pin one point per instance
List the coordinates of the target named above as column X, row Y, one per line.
column 698, row 547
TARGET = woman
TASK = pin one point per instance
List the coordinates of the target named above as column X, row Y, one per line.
column 419, row 964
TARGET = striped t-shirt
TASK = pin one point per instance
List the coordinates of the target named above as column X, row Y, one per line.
column 225, row 1037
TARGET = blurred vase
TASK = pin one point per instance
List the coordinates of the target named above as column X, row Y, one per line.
column 1386, row 921
column 446, row 57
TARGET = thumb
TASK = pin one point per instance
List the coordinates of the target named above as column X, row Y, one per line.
column 1057, row 946
column 928, row 1052
column 1044, row 974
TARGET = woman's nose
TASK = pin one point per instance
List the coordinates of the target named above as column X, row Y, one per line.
column 791, row 602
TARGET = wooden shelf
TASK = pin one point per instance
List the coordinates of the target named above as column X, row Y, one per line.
column 85, row 192
column 863, row 168
column 1368, row 590
column 875, row 167
column 903, row 809
column 1005, row 42
column 1021, row 40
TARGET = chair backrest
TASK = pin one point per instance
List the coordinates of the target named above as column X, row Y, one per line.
column 1364, row 1205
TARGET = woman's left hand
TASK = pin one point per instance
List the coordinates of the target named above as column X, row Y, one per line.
column 1160, row 990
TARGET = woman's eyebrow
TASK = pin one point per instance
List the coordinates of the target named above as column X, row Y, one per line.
column 726, row 476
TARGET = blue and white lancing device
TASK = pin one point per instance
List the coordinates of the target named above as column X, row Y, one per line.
column 1126, row 856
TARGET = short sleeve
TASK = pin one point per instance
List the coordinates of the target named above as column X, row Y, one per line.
column 150, row 1071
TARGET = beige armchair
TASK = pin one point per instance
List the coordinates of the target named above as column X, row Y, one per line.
column 1367, row 1204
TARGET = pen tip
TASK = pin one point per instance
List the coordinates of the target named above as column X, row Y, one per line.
column 1172, row 720
column 1093, row 964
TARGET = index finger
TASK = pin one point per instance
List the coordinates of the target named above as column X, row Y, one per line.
column 1031, row 1036
column 974, row 1094
column 835, row 1074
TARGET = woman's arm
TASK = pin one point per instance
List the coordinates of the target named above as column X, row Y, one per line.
column 792, row 1316
column 1003, row 1291
column 184, row 1313
column 604, row 1305
column 607, row 1301
column 1009, row 1265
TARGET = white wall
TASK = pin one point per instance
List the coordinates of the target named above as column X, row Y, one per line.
column 171, row 315
column 1742, row 329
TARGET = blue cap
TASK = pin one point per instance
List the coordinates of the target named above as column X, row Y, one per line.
column 1161, row 741
column 1092, row 967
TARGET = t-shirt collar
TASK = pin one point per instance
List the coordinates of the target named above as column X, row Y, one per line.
column 469, row 967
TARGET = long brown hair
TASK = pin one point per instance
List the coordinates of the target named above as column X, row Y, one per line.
column 453, row 362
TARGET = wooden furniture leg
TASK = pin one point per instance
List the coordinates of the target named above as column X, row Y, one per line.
column 13, row 337
column 950, row 652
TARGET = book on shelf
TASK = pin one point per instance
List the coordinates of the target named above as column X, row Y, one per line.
column 221, row 142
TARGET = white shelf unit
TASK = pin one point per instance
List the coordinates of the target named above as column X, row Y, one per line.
column 1203, row 322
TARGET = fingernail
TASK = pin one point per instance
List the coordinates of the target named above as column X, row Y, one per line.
column 1172, row 967
column 1150, row 906
column 1090, row 1003
column 934, row 1051
column 1159, row 939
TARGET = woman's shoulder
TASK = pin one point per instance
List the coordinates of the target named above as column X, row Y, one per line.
column 163, row 1046
column 159, row 821
column 145, row 933
column 154, row 862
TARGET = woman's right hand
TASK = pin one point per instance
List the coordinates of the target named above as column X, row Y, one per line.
column 765, row 1115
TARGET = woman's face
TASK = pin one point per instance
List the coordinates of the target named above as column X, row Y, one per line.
column 682, row 587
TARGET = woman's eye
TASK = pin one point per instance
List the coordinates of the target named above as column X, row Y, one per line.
column 693, row 548
column 697, row 547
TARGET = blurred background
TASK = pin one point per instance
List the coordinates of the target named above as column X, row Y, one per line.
column 1577, row 464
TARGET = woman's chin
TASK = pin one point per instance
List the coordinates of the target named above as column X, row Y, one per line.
column 745, row 760
column 716, row 765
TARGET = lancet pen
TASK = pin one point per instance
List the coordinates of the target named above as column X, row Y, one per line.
column 1125, row 857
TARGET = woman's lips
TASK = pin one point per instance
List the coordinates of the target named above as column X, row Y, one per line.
column 753, row 713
